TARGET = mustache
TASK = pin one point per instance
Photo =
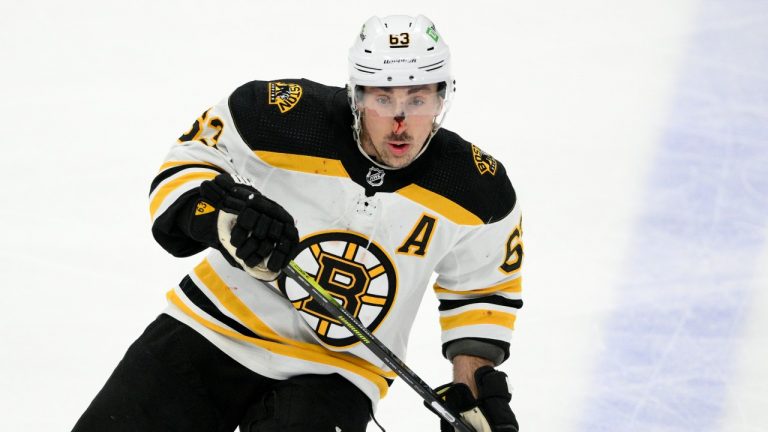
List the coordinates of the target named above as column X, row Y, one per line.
column 405, row 136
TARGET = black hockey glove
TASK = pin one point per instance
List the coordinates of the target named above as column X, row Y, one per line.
column 490, row 412
column 252, row 231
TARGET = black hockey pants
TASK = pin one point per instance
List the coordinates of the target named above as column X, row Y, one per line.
column 173, row 379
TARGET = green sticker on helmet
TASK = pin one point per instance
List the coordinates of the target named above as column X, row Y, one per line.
column 432, row 33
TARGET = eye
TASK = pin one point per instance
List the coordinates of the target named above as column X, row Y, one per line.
column 417, row 101
column 382, row 100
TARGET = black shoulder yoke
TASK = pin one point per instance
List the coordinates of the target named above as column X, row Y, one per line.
column 286, row 116
column 471, row 178
column 301, row 117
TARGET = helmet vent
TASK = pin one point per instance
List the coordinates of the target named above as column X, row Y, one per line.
column 429, row 66
column 434, row 68
column 371, row 68
column 430, row 48
column 362, row 70
column 369, row 51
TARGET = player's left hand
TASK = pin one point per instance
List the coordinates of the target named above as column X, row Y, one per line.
column 490, row 411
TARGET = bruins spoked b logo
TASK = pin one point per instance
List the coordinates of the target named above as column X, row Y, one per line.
column 356, row 272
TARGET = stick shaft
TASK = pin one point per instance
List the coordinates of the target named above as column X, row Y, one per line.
column 323, row 297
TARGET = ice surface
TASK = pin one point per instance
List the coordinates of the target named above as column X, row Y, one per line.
column 671, row 340
column 634, row 132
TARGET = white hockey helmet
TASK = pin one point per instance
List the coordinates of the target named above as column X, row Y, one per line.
column 399, row 50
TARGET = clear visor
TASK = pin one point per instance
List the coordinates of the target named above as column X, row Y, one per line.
column 404, row 102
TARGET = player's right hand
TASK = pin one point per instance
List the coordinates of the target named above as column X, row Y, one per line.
column 252, row 231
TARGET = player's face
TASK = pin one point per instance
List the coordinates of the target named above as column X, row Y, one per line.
column 397, row 121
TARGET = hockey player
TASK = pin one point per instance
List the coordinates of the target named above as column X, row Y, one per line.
column 365, row 191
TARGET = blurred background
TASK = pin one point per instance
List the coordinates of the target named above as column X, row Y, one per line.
column 635, row 133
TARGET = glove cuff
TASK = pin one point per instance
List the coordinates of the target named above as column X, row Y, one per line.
column 198, row 218
column 494, row 397
column 492, row 383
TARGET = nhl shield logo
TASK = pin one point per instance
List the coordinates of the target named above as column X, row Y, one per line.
column 284, row 95
column 484, row 162
column 375, row 176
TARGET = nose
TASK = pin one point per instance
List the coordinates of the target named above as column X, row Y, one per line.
column 399, row 123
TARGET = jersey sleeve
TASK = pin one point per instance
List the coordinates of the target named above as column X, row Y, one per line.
column 479, row 289
column 200, row 154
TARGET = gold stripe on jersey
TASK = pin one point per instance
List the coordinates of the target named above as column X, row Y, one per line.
column 440, row 204
column 510, row 286
column 303, row 163
column 164, row 190
column 172, row 164
column 285, row 350
column 478, row 317
column 208, row 276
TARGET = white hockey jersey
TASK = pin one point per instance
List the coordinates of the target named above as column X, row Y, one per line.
column 372, row 237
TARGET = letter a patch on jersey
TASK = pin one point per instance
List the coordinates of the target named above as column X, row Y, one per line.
column 417, row 242
column 284, row 95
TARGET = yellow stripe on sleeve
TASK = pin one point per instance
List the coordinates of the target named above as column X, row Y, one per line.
column 510, row 286
column 164, row 190
column 280, row 349
column 478, row 317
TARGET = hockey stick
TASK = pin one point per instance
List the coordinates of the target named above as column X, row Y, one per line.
column 323, row 297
